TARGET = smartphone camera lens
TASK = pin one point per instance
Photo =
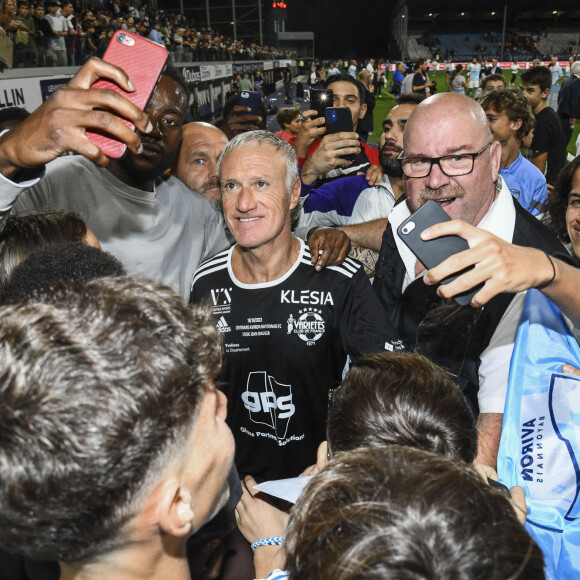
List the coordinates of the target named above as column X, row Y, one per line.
column 408, row 228
column 125, row 39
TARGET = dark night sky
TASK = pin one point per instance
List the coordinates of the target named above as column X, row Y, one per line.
column 341, row 28
column 362, row 27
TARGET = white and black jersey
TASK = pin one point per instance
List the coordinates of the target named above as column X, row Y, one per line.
column 285, row 345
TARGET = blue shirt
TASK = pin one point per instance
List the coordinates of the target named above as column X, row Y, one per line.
column 155, row 36
column 398, row 77
column 346, row 201
column 527, row 184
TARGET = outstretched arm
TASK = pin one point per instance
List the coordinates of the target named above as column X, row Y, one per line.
column 60, row 123
column 503, row 267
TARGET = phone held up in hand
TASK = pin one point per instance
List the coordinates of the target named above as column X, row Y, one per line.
column 320, row 100
column 432, row 252
column 143, row 61
column 339, row 119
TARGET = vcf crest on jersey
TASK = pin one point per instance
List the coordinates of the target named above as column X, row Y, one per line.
column 308, row 325
column 269, row 402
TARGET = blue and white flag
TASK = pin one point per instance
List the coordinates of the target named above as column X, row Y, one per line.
column 540, row 443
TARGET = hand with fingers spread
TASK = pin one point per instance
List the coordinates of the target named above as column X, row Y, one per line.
column 329, row 246
column 330, row 154
column 59, row 125
column 311, row 129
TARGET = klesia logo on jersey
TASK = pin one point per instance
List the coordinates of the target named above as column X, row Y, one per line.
column 269, row 402
column 222, row 300
column 313, row 297
column 308, row 325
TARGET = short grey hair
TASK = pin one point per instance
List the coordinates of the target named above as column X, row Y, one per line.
column 575, row 68
column 262, row 138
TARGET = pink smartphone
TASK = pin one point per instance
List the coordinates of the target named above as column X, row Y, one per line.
column 143, row 61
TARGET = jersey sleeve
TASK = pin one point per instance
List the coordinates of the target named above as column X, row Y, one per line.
column 364, row 326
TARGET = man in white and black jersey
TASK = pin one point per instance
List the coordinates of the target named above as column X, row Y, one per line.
column 288, row 330
column 474, row 71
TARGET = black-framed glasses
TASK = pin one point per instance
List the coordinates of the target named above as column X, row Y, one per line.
column 451, row 165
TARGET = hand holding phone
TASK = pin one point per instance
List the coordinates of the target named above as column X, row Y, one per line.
column 339, row 120
column 143, row 61
column 250, row 99
column 432, row 252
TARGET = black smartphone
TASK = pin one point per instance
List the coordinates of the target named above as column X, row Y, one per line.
column 339, row 119
column 320, row 100
column 432, row 252
column 250, row 99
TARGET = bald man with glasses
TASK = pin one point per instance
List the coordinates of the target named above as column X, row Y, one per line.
column 449, row 156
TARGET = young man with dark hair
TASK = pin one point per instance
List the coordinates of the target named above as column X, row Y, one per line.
column 347, row 92
column 397, row 512
column 421, row 82
column 493, row 82
column 548, row 146
column 510, row 120
column 358, row 207
column 114, row 446
column 56, row 52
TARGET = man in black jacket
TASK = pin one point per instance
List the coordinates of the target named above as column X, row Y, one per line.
column 569, row 101
column 450, row 157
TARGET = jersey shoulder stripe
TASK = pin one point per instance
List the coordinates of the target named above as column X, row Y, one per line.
column 348, row 268
column 218, row 262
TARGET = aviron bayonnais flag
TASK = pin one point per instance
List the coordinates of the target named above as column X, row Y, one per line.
column 540, row 446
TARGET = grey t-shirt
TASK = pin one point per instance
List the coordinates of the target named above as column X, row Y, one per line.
column 164, row 234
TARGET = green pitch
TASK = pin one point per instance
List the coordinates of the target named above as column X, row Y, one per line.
column 386, row 102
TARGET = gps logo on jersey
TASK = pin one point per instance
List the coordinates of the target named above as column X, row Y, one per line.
column 221, row 296
column 269, row 402
column 222, row 325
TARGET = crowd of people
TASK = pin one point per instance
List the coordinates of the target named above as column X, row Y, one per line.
column 175, row 326
column 54, row 33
